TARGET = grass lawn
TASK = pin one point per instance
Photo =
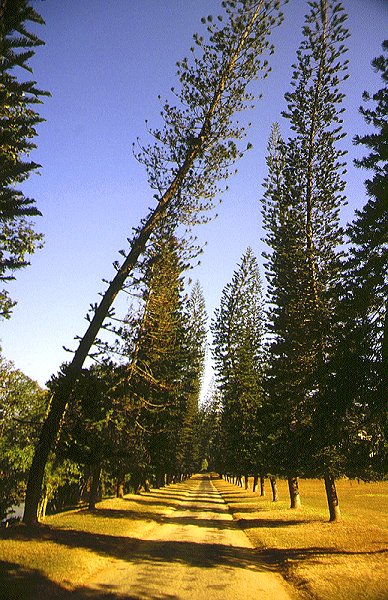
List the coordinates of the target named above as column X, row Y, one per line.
column 58, row 558
column 322, row 560
column 326, row 561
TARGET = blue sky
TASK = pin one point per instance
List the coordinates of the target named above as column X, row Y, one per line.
column 105, row 64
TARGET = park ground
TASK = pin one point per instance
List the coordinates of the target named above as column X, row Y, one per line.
column 148, row 539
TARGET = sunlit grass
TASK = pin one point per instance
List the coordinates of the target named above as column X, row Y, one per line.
column 322, row 560
column 70, row 547
column 329, row 561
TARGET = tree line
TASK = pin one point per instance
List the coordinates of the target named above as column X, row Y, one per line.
column 301, row 378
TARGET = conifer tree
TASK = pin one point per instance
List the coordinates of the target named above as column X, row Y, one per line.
column 301, row 214
column 192, row 156
column 160, row 356
column 358, row 371
column 18, row 121
column 209, row 428
column 237, row 350
column 195, row 341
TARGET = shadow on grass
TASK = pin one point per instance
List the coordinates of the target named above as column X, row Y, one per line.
column 271, row 523
column 281, row 558
column 19, row 583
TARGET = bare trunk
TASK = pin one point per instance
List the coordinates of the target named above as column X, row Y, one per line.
column 120, row 487
column 246, row 481
column 293, row 486
column 255, row 482
column 262, row 486
column 274, row 488
column 95, row 483
column 332, row 498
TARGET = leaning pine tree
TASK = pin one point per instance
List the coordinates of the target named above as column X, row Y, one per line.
column 301, row 215
column 190, row 156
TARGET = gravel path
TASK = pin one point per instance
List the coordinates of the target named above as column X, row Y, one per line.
column 195, row 552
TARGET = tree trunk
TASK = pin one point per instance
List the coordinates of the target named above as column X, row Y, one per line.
column 43, row 506
column 120, row 487
column 262, row 486
column 293, row 486
column 255, row 482
column 46, row 440
column 274, row 488
column 332, row 498
column 246, row 481
column 93, row 498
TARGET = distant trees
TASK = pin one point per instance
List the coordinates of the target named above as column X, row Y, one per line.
column 191, row 155
column 160, row 378
column 18, row 121
column 238, row 330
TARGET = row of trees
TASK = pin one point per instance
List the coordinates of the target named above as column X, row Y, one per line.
column 309, row 398
column 286, row 403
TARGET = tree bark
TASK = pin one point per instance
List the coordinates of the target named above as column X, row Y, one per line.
column 274, row 488
column 293, row 486
column 43, row 506
column 120, row 487
column 246, row 481
column 255, row 482
column 262, row 486
column 332, row 498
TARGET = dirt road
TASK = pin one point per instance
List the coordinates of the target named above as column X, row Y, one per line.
column 195, row 552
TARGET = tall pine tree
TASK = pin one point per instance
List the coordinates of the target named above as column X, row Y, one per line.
column 301, row 214
column 238, row 354
column 359, row 368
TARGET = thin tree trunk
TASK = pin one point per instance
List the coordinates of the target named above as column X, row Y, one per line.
column 293, row 486
column 255, row 482
column 332, row 498
column 120, row 487
column 93, row 498
column 262, row 486
column 274, row 488
column 246, row 481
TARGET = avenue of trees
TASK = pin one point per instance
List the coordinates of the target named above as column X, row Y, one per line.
column 300, row 384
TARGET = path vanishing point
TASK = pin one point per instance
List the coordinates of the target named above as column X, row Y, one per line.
column 196, row 551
